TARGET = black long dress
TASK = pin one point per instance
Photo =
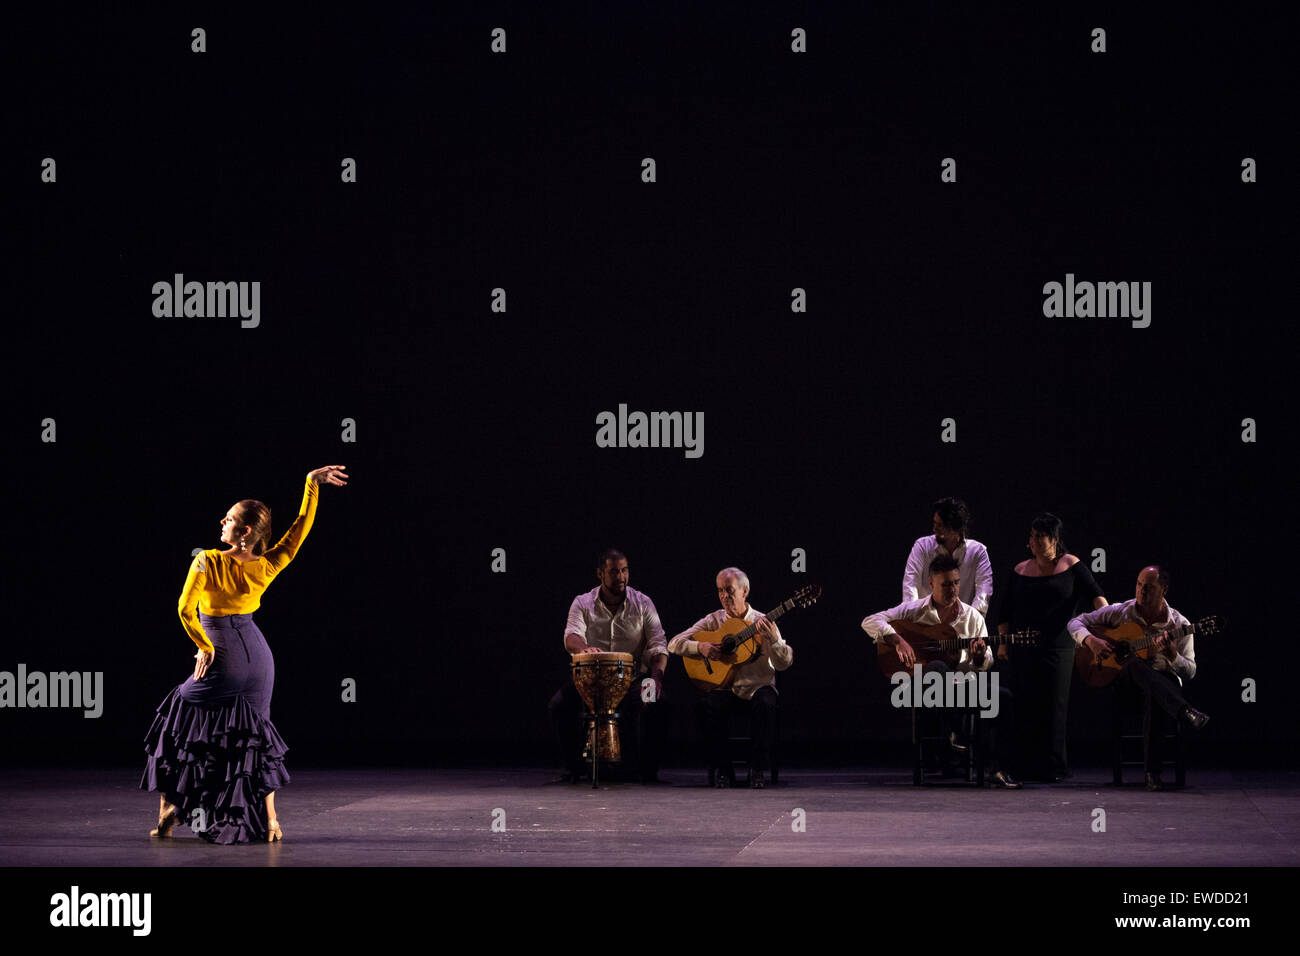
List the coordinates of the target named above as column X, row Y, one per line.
column 1041, row 674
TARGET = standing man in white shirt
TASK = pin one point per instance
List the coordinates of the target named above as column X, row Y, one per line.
column 950, row 518
column 753, row 686
column 942, row 605
column 615, row 617
column 1159, row 680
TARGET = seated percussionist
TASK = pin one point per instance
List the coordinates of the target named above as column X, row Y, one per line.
column 615, row 617
column 752, row 689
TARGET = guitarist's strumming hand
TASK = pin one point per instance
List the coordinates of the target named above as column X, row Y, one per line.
column 710, row 651
column 902, row 649
column 1099, row 646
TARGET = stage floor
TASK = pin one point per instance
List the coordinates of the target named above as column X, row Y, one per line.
column 869, row 817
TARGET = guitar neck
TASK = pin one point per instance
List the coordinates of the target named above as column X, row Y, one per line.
column 1147, row 641
column 950, row 644
column 752, row 629
column 992, row 640
column 780, row 609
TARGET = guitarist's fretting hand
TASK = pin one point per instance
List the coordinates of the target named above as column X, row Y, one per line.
column 1166, row 646
column 977, row 651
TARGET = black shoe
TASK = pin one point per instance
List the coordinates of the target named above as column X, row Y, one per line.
column 756, row 780
column 1194, row 718
column 1154, row 783
column 1004, row 780
column 958, row 742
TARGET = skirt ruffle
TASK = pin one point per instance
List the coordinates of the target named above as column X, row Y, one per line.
column 222, row 759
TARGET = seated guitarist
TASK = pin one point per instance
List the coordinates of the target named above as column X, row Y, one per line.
column 753, row 688
column 944, row 606
column 1159, row 680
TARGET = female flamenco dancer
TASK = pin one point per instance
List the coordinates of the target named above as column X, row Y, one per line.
column 1044, row 592
column 212, row 745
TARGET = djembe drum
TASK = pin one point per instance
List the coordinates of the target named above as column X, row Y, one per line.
column 602, row 679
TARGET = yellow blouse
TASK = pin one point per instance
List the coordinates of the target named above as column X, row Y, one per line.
column 219, row 584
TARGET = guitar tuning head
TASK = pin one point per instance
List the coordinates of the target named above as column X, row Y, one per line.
column 808, row 595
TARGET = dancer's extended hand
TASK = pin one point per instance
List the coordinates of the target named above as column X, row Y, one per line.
column 329, row 473
column 203, row 660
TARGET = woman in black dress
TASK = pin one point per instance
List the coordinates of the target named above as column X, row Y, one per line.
column 1044, row 592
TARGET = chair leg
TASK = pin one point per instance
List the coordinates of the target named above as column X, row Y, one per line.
column 1180, row 757
column 774, row 747
column 971, row 746
column 917, row 756
column 1117, row 735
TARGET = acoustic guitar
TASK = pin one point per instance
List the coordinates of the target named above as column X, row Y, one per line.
column 1131, row 639
column 939, row 642
column 739, row 643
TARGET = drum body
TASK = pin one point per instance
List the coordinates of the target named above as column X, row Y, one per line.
column 602, row 679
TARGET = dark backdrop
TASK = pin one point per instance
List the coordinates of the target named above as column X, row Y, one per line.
column 476, row 430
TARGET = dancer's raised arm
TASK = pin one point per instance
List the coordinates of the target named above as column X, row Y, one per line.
column 287, row 547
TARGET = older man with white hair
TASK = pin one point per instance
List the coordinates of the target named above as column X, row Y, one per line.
column 753, row 688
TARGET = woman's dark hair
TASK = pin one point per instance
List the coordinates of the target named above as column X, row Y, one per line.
column 1052, row 526
column 953, row 513
column 257, row 516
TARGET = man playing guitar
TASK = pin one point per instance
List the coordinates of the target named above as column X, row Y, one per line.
column 1159, row 680
column 753, row 687
column 944, row 606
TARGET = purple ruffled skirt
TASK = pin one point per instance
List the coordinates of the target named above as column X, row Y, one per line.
column 212, row 749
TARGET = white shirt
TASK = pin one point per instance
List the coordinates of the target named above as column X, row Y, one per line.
column 1113, row 615
column 974, row 567
column 634, row 629
column 969, row 622
column 759, row 671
